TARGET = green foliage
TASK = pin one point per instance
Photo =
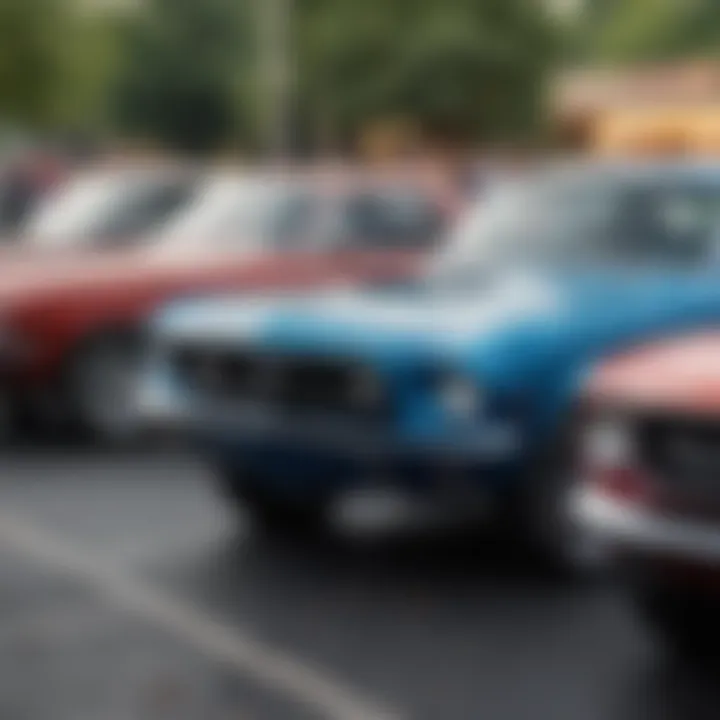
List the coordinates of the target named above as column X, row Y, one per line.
column 55, row 63
column 90, row 53
column 649, row 30
column 463, row 68
column 189, row 72
column 184, row 66
column 29, row 60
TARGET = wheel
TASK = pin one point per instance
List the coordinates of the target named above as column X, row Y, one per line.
column 686, row 622
column 16, row 422
column 272, row 512
column 541, row 518
column 100, row 388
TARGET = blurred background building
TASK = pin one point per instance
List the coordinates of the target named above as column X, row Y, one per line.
column 660, row 109
column 338, row 77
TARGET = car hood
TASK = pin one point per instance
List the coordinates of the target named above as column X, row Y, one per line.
column 681, row 374
column 27, row 271
column 377, row 317
column 28, row 274
column 514, row 317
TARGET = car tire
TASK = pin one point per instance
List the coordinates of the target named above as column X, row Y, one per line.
column 686, row 622
column 542, row 520
column 17, row 423
column 269, row 511
column 100, row 389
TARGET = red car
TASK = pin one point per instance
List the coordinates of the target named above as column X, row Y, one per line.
column 651, row 487
column 69, row 317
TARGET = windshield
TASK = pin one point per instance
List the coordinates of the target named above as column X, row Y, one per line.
column 102, row 208
column 586, row 219
column 227, row 209
column 246, row 214
column 389, row 217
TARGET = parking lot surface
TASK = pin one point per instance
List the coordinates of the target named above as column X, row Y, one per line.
column 129, row 591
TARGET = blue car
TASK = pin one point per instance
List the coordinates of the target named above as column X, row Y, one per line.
column 462, row 384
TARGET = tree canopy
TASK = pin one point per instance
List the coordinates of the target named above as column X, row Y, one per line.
column 465, row 68
column 623, row 31
column 184, row 65
column 190, row 74
column 55, row 63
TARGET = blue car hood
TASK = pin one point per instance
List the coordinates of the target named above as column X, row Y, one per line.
column 370, row 321
column 513, row 320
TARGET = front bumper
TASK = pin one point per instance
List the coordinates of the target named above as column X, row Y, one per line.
column 304, row 450
column 639, row 530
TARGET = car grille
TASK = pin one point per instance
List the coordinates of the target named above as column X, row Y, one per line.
column 293, row 384
column 683, row 456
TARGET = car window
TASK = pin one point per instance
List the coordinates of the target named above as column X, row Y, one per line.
column 241, row 214
column 295, row 221
column 530, row 222
column 586, row 218
column 392, row 218
column 146, row 211
column 681, row 224
column 226, row 211
column 103, row 208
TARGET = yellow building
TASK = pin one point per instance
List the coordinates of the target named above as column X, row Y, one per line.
column 672, row 109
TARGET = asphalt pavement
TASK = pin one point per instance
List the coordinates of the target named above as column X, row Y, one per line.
column 129, row 591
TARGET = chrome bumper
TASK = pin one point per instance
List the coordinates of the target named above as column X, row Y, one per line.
column 629, row 526
column 158, row 406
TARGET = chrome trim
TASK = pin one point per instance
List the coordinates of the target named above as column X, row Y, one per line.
column 159, row 405
column 629, row 525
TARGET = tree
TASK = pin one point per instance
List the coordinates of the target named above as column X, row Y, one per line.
column 467, row 69
column 183, row 73
column 464, row 69
column 89, row 60
column 648, row 30
column 29, row 60
column 55, row 63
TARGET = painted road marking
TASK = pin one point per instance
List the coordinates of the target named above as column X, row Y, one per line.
column 276, row 670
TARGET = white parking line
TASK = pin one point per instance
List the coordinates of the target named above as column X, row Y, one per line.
column 277, row 671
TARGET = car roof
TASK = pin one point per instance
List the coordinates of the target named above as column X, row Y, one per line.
column 347, row 176
column 131, row 173
column 337, row 182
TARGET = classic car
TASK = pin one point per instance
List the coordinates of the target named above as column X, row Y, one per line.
column 70, row 318
column 649, row 483
column 461, row 384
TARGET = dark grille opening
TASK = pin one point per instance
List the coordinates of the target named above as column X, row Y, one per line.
column 346, row 388
column 218, row 374
column 683, row 456
column 292, row 384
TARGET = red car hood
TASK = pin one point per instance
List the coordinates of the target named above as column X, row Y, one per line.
column 24, row 271
column 28, row 273
column 677, row 375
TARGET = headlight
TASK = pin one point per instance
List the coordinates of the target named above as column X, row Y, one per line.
column 460, row 397
column 608, row 441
